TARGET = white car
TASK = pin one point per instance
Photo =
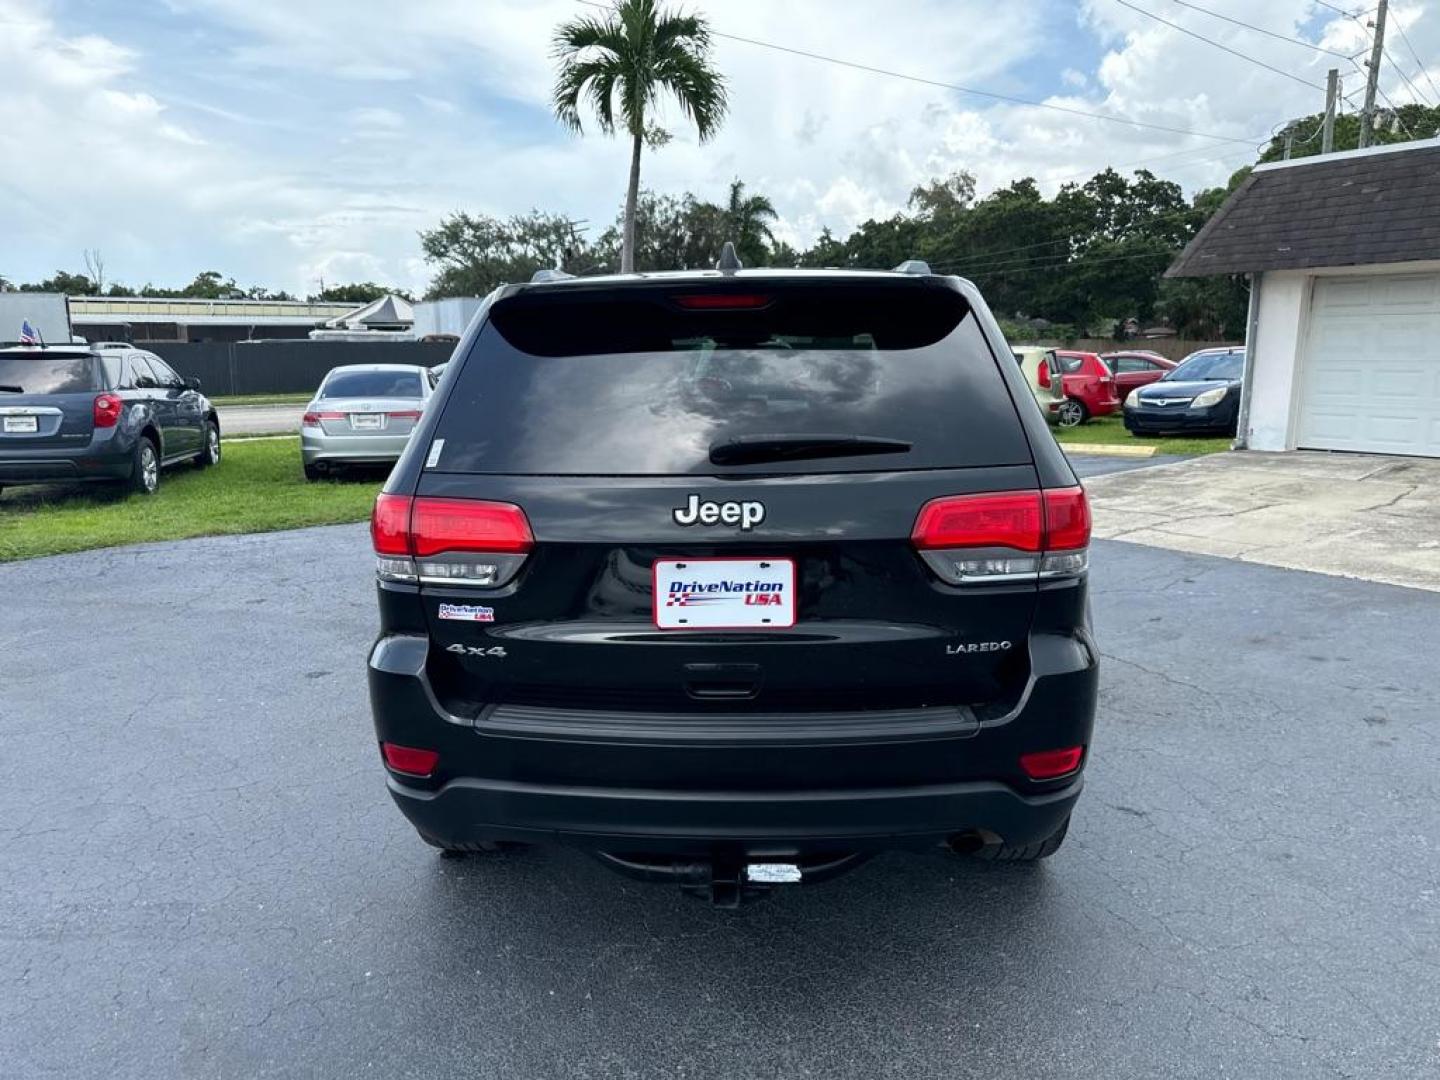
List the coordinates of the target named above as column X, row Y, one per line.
column 362, row 414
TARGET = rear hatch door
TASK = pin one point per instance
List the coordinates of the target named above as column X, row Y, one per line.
column 47, row 398
column 722, row 500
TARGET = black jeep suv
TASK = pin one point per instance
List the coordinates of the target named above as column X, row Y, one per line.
column 735, row 578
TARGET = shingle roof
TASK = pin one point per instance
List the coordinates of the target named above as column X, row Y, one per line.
column 1369, row 206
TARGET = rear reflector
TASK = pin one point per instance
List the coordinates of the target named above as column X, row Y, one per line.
column 1051, row 764
column 722, row 301
column 409, row 760
column 975, row 538
column 108, row 408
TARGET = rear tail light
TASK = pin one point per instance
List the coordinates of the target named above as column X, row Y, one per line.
column 312, row 419
column 1044, row 376
column 1052, row 764
column 459, row 541
column 108, row 408
column 409, row 414
column 1005, row 536
column 409, row 760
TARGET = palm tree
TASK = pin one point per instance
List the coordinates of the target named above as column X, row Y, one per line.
column 637, row 53
column 747, row 223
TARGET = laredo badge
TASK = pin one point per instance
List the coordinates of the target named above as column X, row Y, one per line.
column 467, row 613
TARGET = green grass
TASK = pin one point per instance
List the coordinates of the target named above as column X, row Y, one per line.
column 1111, row 429
column 264, row 399
column 257, row 487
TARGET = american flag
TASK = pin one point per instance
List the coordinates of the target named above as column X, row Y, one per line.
column 28, row 334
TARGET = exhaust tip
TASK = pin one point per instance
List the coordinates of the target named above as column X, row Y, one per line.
column 967, row 843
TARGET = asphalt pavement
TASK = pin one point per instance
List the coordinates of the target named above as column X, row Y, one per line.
column 204, row 877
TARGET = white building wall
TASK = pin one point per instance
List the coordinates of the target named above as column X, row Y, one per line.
column 1280, row 329
column 1279, row 335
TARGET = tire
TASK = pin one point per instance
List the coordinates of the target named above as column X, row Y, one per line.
column 1029, row 852
column 210, row 455
column 145, row 468
column 1072, row 414
column 314, row 472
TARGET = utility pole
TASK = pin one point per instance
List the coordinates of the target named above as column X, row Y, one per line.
column 1289, row 140
column 1377, row 53
column 1332, row 92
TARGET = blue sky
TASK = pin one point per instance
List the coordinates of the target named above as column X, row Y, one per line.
column 282, row 143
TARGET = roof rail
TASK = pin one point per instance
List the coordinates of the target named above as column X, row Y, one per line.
column 913, row 266
column 729, row 261
column 544, row 277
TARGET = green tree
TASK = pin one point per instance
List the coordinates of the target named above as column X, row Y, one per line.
column 746, row 223
column 475, row 253
column 359, row 292
column 64, row 282
column 638, row 54
column 1408, row 122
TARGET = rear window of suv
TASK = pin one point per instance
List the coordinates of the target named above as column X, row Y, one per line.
column 646, row 380
column 41, row 373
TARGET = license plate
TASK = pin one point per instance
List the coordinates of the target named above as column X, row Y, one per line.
column 724, row 594
column 22, row 425
column 367, row 421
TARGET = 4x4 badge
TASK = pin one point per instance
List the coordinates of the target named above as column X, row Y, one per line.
column 745, row 514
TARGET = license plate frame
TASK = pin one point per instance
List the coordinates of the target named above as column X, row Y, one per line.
column 723, row 609
column 367, row 421
column 22, row 425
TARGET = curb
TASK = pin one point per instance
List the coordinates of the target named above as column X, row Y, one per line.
column 1109, row 449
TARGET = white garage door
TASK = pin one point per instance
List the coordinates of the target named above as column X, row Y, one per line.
column 1371, row 373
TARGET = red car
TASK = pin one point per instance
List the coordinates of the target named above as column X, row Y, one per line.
column 1134, row 368
column 1088, row 383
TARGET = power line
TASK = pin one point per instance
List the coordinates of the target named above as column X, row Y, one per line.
column 1220, row 45
column 953, row 86
column 1262, row 30
column 1399, row 71
column 1423, row 70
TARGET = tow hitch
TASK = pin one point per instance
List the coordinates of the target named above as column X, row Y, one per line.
column 730, row 881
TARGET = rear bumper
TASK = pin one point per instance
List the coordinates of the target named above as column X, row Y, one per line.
column 745, row 786
column 63, row 466
column 754, row 824
column 316, row 447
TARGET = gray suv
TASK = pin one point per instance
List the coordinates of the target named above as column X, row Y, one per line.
column 99, row 412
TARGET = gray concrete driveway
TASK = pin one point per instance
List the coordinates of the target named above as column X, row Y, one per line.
column 203, row 876
column 1357, row 515
column 260, row 419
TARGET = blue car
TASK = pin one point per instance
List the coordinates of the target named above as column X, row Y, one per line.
column 1202, row 394
column 112, row 413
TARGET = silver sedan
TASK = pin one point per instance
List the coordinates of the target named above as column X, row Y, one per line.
column 362, row 414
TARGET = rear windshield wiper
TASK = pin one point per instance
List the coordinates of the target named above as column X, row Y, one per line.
column 750, row 449
column 12, row 389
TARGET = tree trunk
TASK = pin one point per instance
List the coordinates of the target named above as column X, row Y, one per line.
column 632, row 196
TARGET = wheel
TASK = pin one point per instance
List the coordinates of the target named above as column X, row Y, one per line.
column 210, row 455
column 1029, row 852
column 1072, row 414
column 145, row 468
column 314, row 472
